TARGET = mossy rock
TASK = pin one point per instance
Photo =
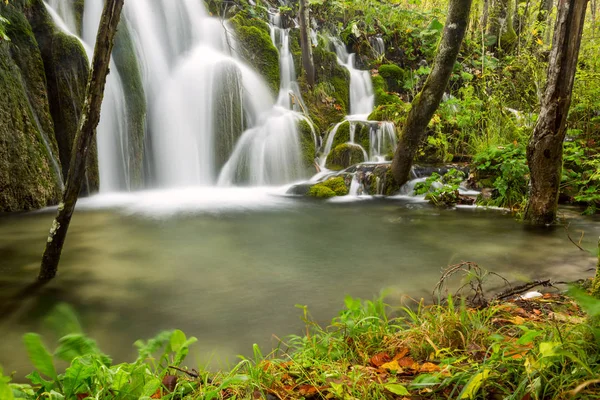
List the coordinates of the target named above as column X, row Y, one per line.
column 307, row 144
column 395, row 112
column 66, row 67
column 29, row 163
column 256, row 47
column 344, row 155
column 393, row 75
column 321, row 192
column 382, row 95
column 361, row 135
column 126, row 62
column 329, row 100
column 332, row 187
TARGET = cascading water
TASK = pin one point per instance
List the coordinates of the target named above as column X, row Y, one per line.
column 362, row 97
column 270, row 153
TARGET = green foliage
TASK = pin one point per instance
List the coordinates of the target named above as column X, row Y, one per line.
column 581, row 174
column 441, row 190
column 505, row 168
column 3, row 23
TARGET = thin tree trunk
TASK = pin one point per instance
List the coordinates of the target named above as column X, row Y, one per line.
column 307, row 56
column 545, row 148
column 90, row 117
column 428, row 100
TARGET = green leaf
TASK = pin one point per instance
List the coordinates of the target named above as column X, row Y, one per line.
column 75, row 376
column 472, row 387
column 177, row 340
column 151, row 387
column 5, row 390
column 39, row 355
column 397, row 388
column 78, row 345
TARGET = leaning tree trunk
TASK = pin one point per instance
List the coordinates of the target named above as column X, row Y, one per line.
column 545, row 148
column 428, row 100
column 90, row 117
column 307, row 56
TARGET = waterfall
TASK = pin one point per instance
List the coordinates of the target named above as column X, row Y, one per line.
column 362, row 97
column 378, row 46
column 270, row 152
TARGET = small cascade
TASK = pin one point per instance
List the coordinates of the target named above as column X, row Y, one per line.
column 64, row 10
column 378, row 46
column 270, row 152
column 382, row 138
column 362, row 97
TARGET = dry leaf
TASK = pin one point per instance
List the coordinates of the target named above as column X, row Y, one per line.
column 379, row 359
column 393, row 366
column 429, row 367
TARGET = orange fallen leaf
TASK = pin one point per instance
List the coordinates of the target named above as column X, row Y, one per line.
column 307, row 390
column 401, row 353
column 407, row 362
column 429, row 367
column 536, row 311
column 379, row 359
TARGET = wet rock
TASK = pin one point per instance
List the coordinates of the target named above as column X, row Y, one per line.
column 345, row 155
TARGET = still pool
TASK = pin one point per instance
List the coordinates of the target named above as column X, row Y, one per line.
column 229, row 265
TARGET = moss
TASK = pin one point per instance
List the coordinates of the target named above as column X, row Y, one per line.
column 393, row 75
column 344, row 155
column 66, row 68
column 390, row 186
column 331, row 187
column 27, row 174
column 129, row 70
column 328, row 102
column 361, row 135
column 256, row 48
column 307, row 144
column 382, row 96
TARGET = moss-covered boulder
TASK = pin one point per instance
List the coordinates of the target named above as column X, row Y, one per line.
column 229, row 116
column 125, row 60
column 361, row 134
column 66, row 67
column 256, row 48
column 382, row 94
column 307, row 144
column 29, row 163
column 330, row 188
column 345, row 155
column 393, row 75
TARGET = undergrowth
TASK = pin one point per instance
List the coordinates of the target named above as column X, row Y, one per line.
column 545, row 348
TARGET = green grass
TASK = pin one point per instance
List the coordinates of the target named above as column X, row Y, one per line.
column 538, row 349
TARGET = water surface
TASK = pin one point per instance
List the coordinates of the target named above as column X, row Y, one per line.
column 228, row 266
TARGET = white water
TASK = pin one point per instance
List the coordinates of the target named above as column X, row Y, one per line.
column 187, row 70
column 270, row 152
column 362, row 97
column 378, row 46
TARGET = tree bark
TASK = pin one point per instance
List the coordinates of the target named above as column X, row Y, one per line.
column 90, row 116
column 545, row 148
column 428, row 100
column 305, row 43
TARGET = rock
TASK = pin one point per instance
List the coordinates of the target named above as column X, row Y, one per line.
column 345, row 155
column 66, row 67
column 30, row 170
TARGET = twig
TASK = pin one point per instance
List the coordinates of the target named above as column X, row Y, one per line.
column 522, row 288
column 572, row 241
column 192, row 373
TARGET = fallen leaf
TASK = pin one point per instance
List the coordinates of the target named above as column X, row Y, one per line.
column 401, row 353
column 307, row 390
column 169, row 382
column 379, row 359
column 407, row 362
column 429, row 367
column 393, row 366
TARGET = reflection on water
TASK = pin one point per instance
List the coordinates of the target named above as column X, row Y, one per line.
column 232, row 275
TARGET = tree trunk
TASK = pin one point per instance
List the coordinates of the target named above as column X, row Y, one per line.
column 428, row 100
column 544, row 151
column 596, row 282
column 305, row 43
column 500, row 25
column 90, row 117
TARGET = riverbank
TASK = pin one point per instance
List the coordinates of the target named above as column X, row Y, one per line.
column 545, row 347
